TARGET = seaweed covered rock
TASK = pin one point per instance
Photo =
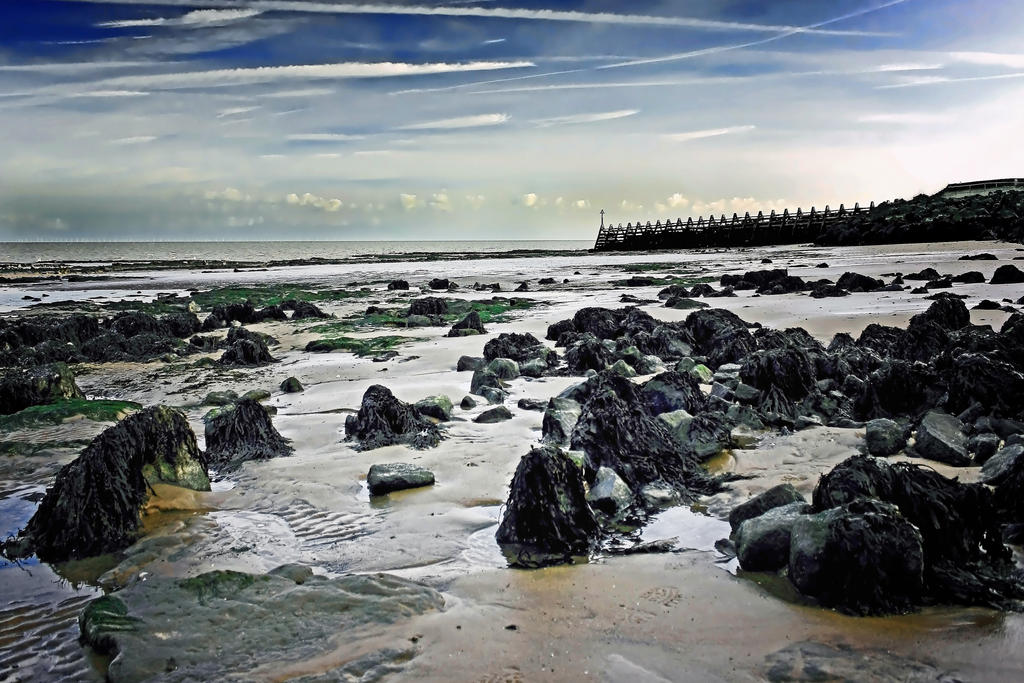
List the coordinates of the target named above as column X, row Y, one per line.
column 884, row 437
column 95, row 503
column 992, row 383
column 556, row 330
column 672, row 391
column 855, row 282
column 292, row 386
column 588, row 352
column 547, row 519
column 302, row 310
column 241, row 432
column 899, row 388
column 471, row 324
column 950, row 314
column 763, row 542
column 521, row 348
column 623, row 435
column 965, row 559
column 181, row 324
column 1007, row 274
column 560, row 418
column 246, row 348
column 383, row 420
column 438, row 407
column 21, row 388
column 428, row 305
column 600, row 322
column 861, row 558
column 790, row 369
column 398, row 285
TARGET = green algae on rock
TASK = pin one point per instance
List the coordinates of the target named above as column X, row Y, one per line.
column 239, row 624
column 22, row 388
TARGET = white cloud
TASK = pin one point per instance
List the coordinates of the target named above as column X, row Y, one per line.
column 677, row 201
column 530, row 15
column 459, row 122
column 712, row 132
column 200, row 18
column 300, row 92
column 936, row 80
column 440, row 202
column 581, row 204
column 136, row 140
column 530, row 200
column 328, row 204
column 475, row 200
column 322, row 137
column 409, row 201
column 905, row 118
column 1012, row 61
column 112, row 93
column 235, row 111
column 229, row 194
column 584, row 118
column 270, row 74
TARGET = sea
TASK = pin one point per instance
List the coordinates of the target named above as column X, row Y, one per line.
column 107, row 252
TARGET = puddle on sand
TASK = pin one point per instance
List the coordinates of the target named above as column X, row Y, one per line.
column 694, row 530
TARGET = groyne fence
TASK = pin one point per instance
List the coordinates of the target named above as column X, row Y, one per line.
column 760, row 230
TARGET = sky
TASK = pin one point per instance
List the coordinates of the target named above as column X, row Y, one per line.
column 488, row 119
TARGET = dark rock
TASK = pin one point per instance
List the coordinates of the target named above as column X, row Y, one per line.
column 556, row 330
column 762, row 542
column 983, row 446
column 302, row 310
column 21, row 388
column 1000, row 465
column 823, row 291
column 777, row 496
column 241, row 432
column 292, row 386
column 684, row 304
column 950, row 314
column 428, row 305
column 884, row 437
column 980, row 378
column 483, row 378
column 600, row 322
column 809, row 661
column 519, row 347
column 971, row 277
column 622, row 435
column 940, row 437
column 855, row 282
column 671, row 391
column 467, row 403
column 1007, row 274
column 547, row 519
column 181, row 324
column 497, row 414
column 438, row 407
column 95, row 503
column 978, row 257
column 383, row 420
column 789, row 369
column 131, row 323
column 398, row 285
column 534, row 404
column 862, row 558
column 245, row 348
column 966, row 561
column 471, row 324
column 397, row 476
column 673, row 292
column 546, row 281
column 439, row 283
column 609, row 493
column 926, row 274
column 588, row 353
column 467, row 363
column 899, row 388
column 504, row 368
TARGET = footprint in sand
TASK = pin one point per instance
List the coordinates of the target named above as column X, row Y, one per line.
column 666, row 596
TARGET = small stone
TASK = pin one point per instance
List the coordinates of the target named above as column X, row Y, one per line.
column 504, row 368
column 397, row 476
column 609, row 494
column 438, row 407
column 984, row 446
column 470, row 363
column 256, row 395
column 532, row 404
column 494, row 395
column 220, row 398
column 292, row 386
column 497, row 414
column 468, row 403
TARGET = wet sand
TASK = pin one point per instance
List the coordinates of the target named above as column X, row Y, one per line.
column 678, row 616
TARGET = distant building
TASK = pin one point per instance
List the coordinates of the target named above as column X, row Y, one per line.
column 981, row 187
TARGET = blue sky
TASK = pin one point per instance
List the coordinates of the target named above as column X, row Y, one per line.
column 294, row 119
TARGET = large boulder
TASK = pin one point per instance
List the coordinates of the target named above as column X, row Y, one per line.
column 438, row 407
column 940, row 437
column 884, row 437
column 21, row 388
column 246, row 348
column 547, row 519
column 1007, row 274
column 672, row 391
column 777, row 496
column 95, row 503
column 588, row 352
column 383, row 420
column 790, row 369
column 241, row 432
column 762, row 542
column 224, row 624
column 948, row 313
column 861, row 558
column 992, row 383
column 600, row 322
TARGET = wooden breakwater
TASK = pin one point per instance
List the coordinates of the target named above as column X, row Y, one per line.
column 738, row 231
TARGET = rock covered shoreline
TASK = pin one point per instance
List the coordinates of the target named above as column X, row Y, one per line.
column 666, row 396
